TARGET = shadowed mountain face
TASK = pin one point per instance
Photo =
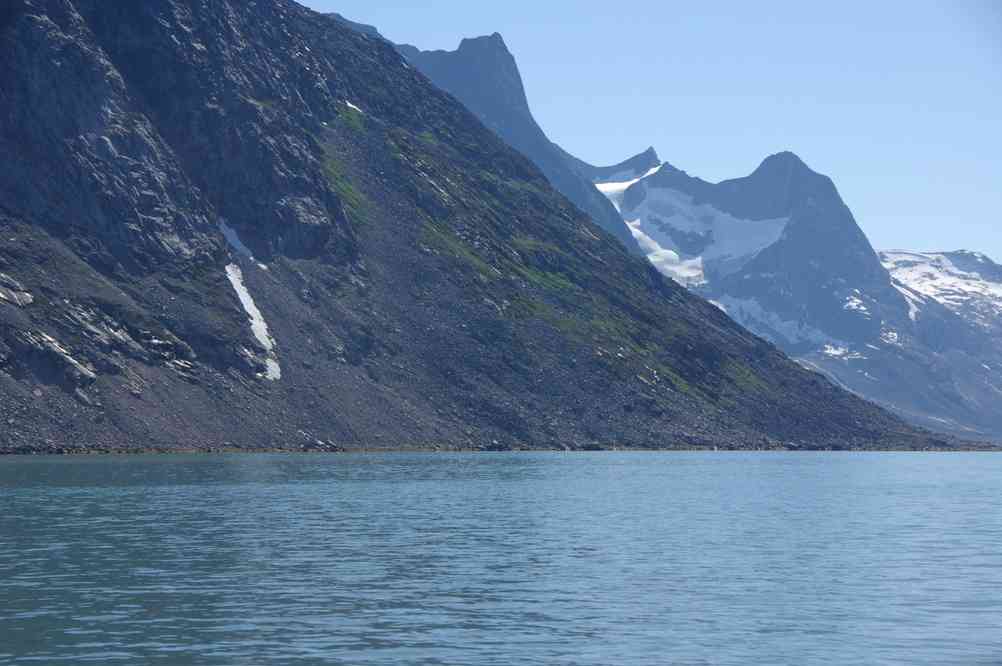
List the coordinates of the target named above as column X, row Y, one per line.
column 483, row 75
column 781, row 253
column 245, row 224
column 630, row 169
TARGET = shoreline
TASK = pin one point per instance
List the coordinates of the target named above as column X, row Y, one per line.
column 64, row 452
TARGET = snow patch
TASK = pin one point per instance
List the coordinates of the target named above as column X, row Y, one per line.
column 615, row 189
column 855, row 304
column 890, row 337
column 843, row 353
column 716, row 243
column 750, row 314
column 259, row 327
column 688, row 272
column 913, row 300
column 922, row 276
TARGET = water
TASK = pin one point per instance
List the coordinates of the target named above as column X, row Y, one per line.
column 602, row 558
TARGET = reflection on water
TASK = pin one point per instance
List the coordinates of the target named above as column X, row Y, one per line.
column 500, row 559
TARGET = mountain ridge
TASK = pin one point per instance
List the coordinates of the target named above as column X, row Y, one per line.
column 632, row 167
column 809, row 280
column 247, row 226
column 502, row 105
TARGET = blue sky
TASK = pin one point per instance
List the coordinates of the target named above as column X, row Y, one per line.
column 900, row 102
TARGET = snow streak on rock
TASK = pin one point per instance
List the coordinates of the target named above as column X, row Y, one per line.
column 259, row 327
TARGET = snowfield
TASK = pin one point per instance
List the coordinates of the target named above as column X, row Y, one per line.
column 615, row 189
column 715, row 242
column 923, row 276
column 750, row 314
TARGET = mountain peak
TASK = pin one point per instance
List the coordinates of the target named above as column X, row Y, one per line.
column 788, row 177
column 785, row 161
column 492, row 42
column 634, row 167
column 650, row 156
column 977, row 256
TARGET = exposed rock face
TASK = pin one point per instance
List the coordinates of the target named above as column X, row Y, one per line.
column 781, row 253
column 244, row 224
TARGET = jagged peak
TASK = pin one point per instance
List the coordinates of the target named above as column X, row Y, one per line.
column 651, row 155
column 634, row 167
column 643, row 161
column 489, row 45
column 494, row 41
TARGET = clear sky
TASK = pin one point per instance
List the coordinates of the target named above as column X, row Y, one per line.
column 899, row 101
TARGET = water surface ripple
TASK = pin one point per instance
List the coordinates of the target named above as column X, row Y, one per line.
column 605, row 558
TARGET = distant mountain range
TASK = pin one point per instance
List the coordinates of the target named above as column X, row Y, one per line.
column 782, row 254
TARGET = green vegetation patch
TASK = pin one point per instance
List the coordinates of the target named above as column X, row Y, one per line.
column 449, row 244
column 744, row 378
column 355, row 203
column 533, row 246
column 677, row 381
column 546, row 280
column 352, row 118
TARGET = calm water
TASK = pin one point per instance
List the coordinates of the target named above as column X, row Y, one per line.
column 599, row 558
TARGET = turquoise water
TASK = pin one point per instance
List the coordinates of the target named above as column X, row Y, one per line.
column 605, row 558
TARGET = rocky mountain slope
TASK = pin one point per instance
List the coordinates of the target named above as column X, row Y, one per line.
column 483, row 75
column 781, row 253
column 237, row 224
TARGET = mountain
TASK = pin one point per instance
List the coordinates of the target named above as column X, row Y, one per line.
column 966, row 283
column 630, row 169
column 247, row 225
column 483, row 75
column 780, row 252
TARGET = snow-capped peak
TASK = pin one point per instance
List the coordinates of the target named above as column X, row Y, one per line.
column 968, row 283
column 687, row 239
